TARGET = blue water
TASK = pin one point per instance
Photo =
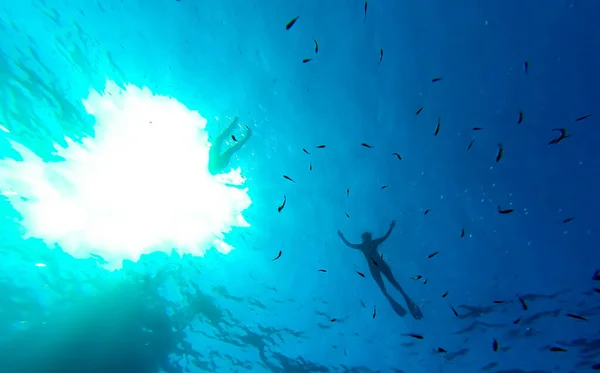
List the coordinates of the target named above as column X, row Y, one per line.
column 243, row 312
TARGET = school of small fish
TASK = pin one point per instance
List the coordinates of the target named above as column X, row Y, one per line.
column 472, row 311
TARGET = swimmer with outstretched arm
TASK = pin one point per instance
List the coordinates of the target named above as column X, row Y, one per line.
column 378, row 267
column 217, row 160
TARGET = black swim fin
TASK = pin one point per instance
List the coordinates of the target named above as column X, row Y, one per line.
column 400, row 311
column 413, row 308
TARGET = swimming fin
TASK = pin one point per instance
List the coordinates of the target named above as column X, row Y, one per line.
column 413, row 308
column 400, row 311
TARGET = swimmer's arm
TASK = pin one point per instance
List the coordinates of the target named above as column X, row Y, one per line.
column 348, row 243
column 387, row 235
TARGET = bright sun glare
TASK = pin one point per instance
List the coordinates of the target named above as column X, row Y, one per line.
column 140, row 185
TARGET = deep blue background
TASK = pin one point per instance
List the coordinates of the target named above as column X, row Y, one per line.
column 226, row 58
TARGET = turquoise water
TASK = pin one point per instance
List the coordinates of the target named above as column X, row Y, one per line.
column 121, row 253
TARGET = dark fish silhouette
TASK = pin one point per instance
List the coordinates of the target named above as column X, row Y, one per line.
column 420, row 110
column 500, row 153
column 291, row 23
column 436, row 79
column 277, row 257
column 288, row 178
column 432, row 255
column 316, row 46
column 563, row 135
column 584, row 117
column 282, row 205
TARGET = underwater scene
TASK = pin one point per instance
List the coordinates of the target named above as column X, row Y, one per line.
column 392, row 186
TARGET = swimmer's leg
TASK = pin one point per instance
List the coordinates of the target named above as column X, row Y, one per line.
column 227, row 131
column 376, row 274
column 217, row 161
column 412, row 306
column 227, row 154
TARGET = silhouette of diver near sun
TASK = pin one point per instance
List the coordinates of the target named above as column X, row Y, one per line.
column 378, row 267
column 217, row 160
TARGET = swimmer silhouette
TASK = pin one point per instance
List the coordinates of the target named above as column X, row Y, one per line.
column 217, row 161
column 378, row 267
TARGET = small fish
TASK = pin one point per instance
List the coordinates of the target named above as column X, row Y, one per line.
column 417, row 277
column 385, row 186
column 316, row 46
column 470, row 144
column 596, row 276
column 436, row 79
column 584, row 117
column 432, row 255
column 347, row 192
column 366, row 7
column 306, row 151
column 321, row 146
column 374, row 262
column 291, row 23
column 413, row 335
column 277, row 257
column 500, row 152
column 504, row 211
column 288, row 178
column 596, row 367
column 557, row 349
column 495, row 345
column 305, row 60
column 523, row 304
column 380, row 56
column 374, row 311
column 441, row 350
column 348, row 216
column 454, row 311
column 322, row 270
column 563, row 135
column 333, row 320
column 521, row 117
column 397, row 156
column 526, row 67
column 420, row 110
column 445, row 295
column 568, row 219
column 425, row 282
column 282, row 205
column 366, row 145
column 426, row 212
column 498, row 301
column 462, row 233
column 573, row 316
column 477, row 128
column 360, row 274
column 596, row 290
column 310, row 166
column 233, row 138
column 517, row 321
column 437, row 128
